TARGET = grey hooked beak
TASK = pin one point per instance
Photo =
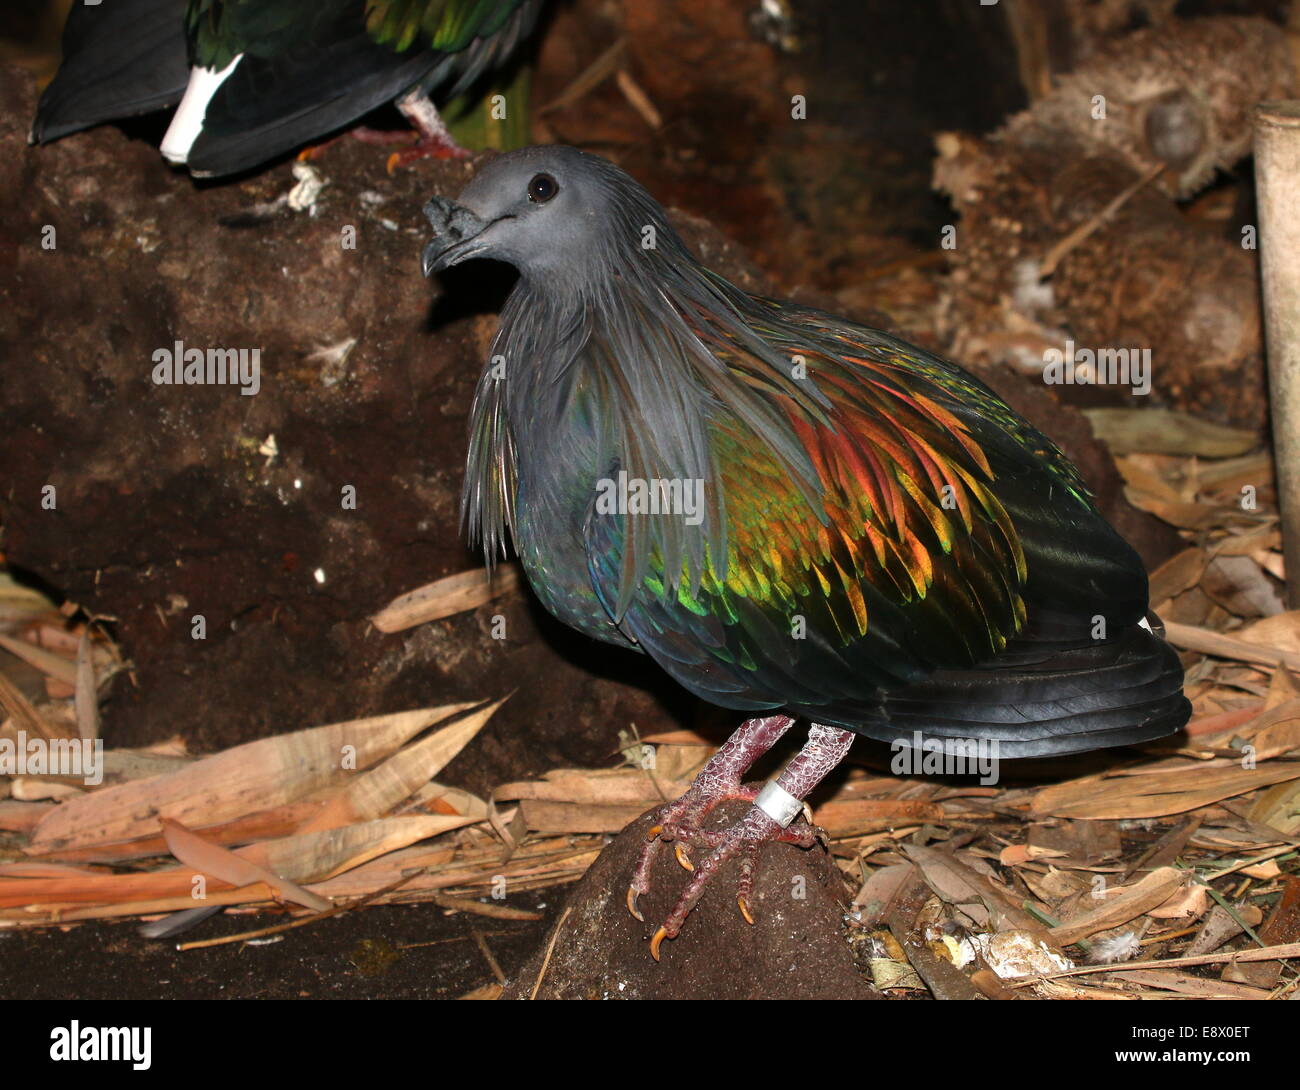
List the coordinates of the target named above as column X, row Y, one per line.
column 455, row 229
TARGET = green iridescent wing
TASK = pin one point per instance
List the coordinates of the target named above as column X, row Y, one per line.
column 943, row 514
column 447, row 25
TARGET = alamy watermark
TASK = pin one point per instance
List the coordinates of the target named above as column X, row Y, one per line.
column 921, row 756
column 181, row 366
column 626, row 495
column 82, row 758
column 1098, row 367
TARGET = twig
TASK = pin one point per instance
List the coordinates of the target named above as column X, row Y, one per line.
column 550, row 949
column 337, row 910
column 481, row 942
column 588, row 79
column 1269, row 953
column 1058, row 252
column 638, row 99
column 478, row 908
column 1191, row 638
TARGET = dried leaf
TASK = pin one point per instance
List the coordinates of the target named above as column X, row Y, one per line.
column 1126, row 903
column 255, row 776
column 217, row 862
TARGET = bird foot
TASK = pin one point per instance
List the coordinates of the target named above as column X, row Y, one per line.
column 426, row 148
column 419, row 146
column 431, row 138
column 679, row 823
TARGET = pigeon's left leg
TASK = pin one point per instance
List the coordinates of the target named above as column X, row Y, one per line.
column 775, row 807
column 434, row 141
column 717, row 781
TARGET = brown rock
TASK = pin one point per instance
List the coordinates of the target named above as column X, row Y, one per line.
column 794, row 950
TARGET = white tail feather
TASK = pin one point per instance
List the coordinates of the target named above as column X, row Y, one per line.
column 188, row 120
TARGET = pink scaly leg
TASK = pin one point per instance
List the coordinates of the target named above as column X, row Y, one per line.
column 434, row 141
column 717, row 781
column 825, row 748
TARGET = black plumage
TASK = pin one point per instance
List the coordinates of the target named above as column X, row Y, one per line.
column 255, row 79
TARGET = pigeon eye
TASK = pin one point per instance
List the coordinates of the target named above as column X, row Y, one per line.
column 542, row 188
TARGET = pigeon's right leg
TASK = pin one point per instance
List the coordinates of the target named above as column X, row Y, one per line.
column 718, row 781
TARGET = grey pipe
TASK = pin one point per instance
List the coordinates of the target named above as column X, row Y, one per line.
column 1277, row 183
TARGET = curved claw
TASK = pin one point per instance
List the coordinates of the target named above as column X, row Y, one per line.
column 683, row 860
column 657, row 942
column 743, row 902
column 632, row 896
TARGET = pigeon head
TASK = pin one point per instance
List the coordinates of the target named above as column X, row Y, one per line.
column 559, row 215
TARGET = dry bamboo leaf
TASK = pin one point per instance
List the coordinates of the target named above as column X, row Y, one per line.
column 445, row 872
column 1013, row 855
column 485, row 992
column 20, row 604
column 1208, row 642
column 1126, row 903
column 679, row 762
column 32, row 894
column 24, row 715
column 22, row 817
column 1186, row 984
column 376, row 792
column 1177, row 574
column 1278, row 633
column 1272, row 562
column 959, row 884
column 1080, row 842
column 1279, row 808
column 1166, row 431
column 1156, row 795
column 437, row 798
column 1237, row 584
column 446, row 597
column 882, row 889
column 1187, row 904
column 54, row 665
column 601, row 786
column 87, row 692
column 1181, row 514
column 58, row 914
column 543, row 816
column 855, row 817
column 46, row 870
column 1248, row 541
column 1220, row 925
column 1281, row 688
column 310, row 857
column 262, row 825
column 1231, row 473
column 678, row 738
column 324, row 853
column 255, row 776
column 1140, row 475
column 43, row 788
column 1220, row 722
column 217, row 862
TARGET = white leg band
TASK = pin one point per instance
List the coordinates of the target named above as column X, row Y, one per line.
column 778, row 804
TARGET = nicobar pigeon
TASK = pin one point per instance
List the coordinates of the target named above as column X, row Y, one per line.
column 255, row 79
column 883, row 546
